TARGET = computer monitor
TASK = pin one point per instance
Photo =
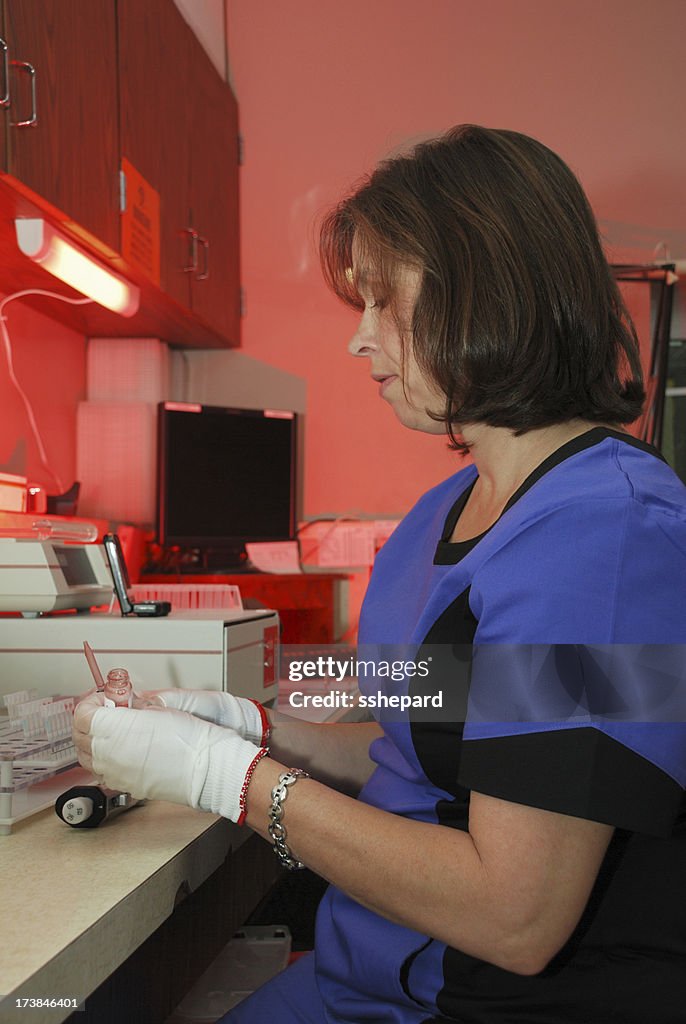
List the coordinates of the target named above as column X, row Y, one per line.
column 226, row 477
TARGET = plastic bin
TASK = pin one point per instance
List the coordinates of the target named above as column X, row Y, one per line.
column 254, row 955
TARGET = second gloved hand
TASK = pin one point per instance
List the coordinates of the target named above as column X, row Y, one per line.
column 247, row 717
column 166, row 755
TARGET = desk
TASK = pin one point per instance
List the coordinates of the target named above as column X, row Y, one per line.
column 312, row 607
column 128, row 915
column 77, row 903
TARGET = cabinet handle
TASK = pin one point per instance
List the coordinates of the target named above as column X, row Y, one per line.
column 5, row 100
column 28, row 69
column 205, row 272
column 191, row 267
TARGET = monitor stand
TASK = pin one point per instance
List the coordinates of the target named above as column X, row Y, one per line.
column 198, row 561
column 225, row 561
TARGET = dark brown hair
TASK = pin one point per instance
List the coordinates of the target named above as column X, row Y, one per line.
column 518, row 320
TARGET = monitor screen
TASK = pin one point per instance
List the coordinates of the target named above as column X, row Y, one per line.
column 225, row 476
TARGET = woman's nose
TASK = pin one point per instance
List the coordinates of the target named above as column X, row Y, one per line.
column 363, row 341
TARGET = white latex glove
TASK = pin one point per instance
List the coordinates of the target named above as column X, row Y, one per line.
column 247, row 717
column 166, row 755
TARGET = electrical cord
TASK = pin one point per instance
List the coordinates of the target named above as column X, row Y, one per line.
column 7, row 344
column 345, row 517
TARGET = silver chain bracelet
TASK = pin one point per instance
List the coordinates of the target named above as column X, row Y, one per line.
column 276, row 828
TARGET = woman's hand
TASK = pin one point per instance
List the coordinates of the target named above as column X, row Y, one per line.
column 246, row 717
column 164, row 754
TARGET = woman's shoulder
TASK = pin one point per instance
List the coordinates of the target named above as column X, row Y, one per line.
column 604, row 482
column 650, row 479
column 596, row 550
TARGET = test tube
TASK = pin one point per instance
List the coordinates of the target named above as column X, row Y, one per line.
column 52, row 529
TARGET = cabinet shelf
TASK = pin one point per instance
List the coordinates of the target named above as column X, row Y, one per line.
column 159, row 315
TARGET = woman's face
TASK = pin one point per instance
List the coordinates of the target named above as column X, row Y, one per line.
column 401, row 383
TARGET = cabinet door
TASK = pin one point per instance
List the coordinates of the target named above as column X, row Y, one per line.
column 214, row 198
column 69, row 156
column 4, row 90
column 155, row 114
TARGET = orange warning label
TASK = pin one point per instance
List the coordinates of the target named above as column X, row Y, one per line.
column 140, row 223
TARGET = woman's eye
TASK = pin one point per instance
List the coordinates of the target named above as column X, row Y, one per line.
column 377, row 304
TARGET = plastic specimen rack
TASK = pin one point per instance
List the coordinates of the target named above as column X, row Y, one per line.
column 35, row 746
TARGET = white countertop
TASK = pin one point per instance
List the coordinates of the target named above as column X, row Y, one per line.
column 77, row 902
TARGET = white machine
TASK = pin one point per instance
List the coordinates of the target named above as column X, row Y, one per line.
column 209, row 649
column 46, row 575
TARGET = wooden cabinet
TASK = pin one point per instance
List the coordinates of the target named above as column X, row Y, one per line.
column 155, row 112
column 127, row 79
column 63, row 77
column 179, row 129
column 215, row 286
column 4, row 88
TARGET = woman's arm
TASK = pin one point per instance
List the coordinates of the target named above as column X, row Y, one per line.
column 510, row 891
column 336, row 754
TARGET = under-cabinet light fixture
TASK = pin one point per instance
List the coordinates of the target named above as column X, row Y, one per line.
column 45, row 245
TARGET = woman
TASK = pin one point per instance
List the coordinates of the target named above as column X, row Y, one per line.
column 529, row 864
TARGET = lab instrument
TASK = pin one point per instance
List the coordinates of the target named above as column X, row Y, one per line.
column 89, row 806
column 45, row 575
column 233, row 649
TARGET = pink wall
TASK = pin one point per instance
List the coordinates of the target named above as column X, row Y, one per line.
column 325, row 89
column 50, row 365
